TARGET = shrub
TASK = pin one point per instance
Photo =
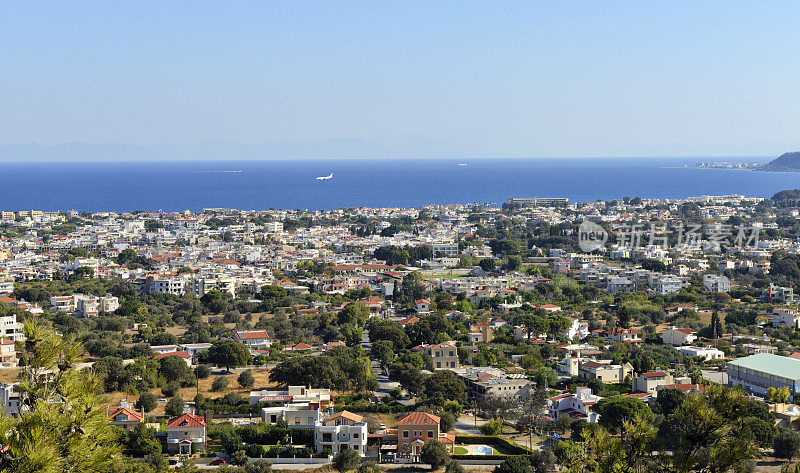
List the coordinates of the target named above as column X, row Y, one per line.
column 514, row 465
column 246, row 379
column 435, row 454
column 239, row 458
column 492, row 427
column 220, row 384
column 346, row 460
column 454, row 467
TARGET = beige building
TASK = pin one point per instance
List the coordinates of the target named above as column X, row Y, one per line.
column 649, row 382
column 604, row 371
column 444, row 355
column 200, row 286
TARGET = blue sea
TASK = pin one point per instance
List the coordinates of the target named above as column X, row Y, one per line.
column 290, row 184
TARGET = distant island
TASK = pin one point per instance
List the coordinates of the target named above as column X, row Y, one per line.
column 787, row 162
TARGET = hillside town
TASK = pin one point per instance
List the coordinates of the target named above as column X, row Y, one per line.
column 458, row 335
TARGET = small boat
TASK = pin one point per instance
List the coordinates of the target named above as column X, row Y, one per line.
column 463, row 164
column 325, row 178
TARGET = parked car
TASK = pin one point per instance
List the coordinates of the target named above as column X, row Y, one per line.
column 217, row 461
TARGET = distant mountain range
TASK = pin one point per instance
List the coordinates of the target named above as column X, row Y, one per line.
column 787, row 162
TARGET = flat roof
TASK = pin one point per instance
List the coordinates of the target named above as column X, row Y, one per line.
column 768, row 363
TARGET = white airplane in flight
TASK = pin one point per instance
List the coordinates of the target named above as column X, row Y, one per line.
column 325, row 178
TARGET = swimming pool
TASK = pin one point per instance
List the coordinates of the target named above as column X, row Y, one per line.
column 482, row 450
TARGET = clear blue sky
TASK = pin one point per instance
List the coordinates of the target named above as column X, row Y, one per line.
column 592, row 78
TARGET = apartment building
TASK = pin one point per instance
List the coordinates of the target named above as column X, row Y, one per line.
column 200, row 286
column 716, row 283
column 775, row 293
column 341, row 431
column 154, row 285
column 292, row 394
column 11, row 329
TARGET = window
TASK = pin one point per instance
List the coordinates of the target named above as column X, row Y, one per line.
column 405, row 434
column 430, row 434
column 438, row 364
column 355, row 436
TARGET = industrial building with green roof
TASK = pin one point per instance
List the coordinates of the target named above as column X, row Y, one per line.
column 758, row 372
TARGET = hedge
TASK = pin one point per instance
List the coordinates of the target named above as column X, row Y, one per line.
column 485, row 457
column 513, row 448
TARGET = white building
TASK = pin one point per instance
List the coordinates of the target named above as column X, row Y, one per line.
column 306, row 414
column 11, row 329
column 706, row 353
column 577, row 329
column 716, row 283
column 784, row 316
column 341, row 431
column 577, row 406
column 273, row 227
column 678, row 336
column 292, row 394
column 184, row 432
column 9, row 399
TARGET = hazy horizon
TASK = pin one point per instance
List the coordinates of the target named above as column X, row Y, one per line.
column 414, row 79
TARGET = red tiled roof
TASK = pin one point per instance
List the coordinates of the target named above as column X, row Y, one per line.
column 654, row 374
column 251, row 335
column 416, row 418
column 133, row 416
column 190, row 420
column 347, row 415
column 179, row 353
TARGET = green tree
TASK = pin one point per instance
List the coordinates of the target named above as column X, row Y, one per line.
column 786, row 444
column 173, row 368
column 147, row 402
column 63, row 427
column 246, row 379
column 142, row 441
column 84, row 272
column 174, row 406
column 353, row 314
column 616, row 410
column 228, row 353
column 125, row 256
column 443, row 386
column 435, row 454
column 487, row 264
